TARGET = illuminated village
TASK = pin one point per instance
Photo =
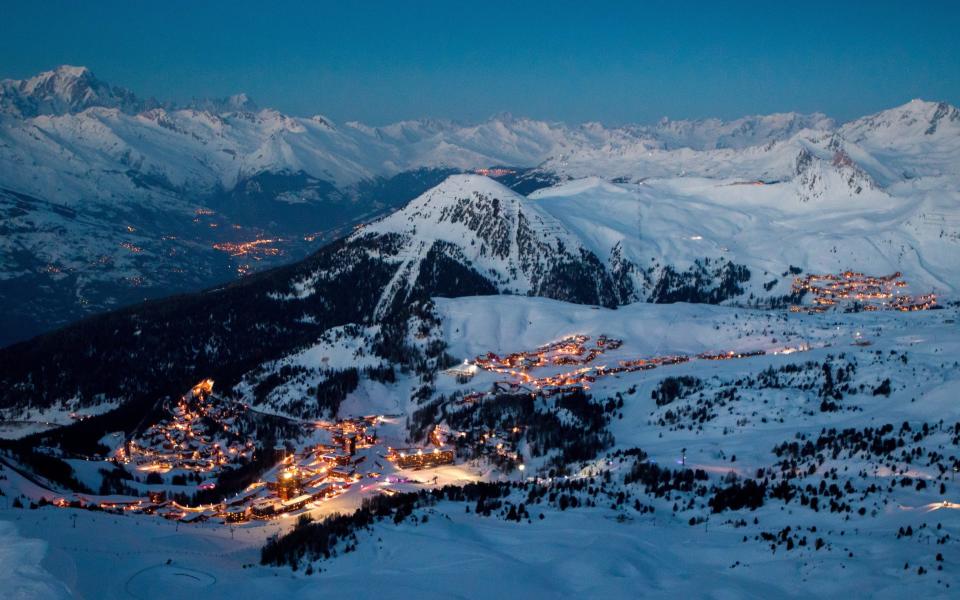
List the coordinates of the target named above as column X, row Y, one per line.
column 199, row 441
column 255, row 250
column 188, row 441
column 494, row 172
column 575, row 351
column 870, row 293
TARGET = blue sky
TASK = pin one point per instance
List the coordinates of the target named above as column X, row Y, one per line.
column 614, row 62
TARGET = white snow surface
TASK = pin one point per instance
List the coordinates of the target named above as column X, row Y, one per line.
column 676, row 221
column 22, row 576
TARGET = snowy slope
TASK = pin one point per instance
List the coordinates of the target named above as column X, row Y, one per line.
column 674, row 222
column 610, row 548
column 21, row 572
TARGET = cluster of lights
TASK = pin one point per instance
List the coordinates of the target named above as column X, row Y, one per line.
column 573, row 350
column 418, row 459
column 255, row 249
column 496, row 172
column 729, row 355
column 180, row 443
column 568, row 351
column 874, row 292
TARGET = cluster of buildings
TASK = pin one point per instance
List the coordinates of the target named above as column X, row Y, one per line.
column 319, row 472
column 353, row 434
column 643, row 364
column 571, row 350
column 729, row 355
column 494, row 172
column 568, row 351
column 574, row 350
column 870, row 291
column 255, row 249
column 912, row 303
column 424, row 458
column 198, row 437
column 343, row 455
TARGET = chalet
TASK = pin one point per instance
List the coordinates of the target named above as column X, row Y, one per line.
column 197, row 517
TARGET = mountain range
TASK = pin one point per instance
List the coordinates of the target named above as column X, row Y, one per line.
column 107, row 199
column 268, row 342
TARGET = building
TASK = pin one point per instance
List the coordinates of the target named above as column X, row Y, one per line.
column 295, row 503
column 337, row 458
column 236, row 515
column 289, row 485
column 418, row 459
column 263, row 510
column 195, row 517
column 345, row 475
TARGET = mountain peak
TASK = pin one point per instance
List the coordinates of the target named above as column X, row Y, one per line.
column 65, row 81
column 236, row 103
column 485, row 238
column 917, row 117
column 444, row 202
column 63, row 90
column 830, row 172
column 72, row 71
column 467, row 183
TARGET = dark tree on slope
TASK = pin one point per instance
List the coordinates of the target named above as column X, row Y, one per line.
column 703, row 282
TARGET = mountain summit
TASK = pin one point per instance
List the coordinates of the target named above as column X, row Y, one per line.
column 475, row 231
column 64, row 90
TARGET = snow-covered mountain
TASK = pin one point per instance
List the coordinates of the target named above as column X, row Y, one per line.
column 66, row 89
column 715, row 134
column 107, row 198
column 478, row 224
column 767, row 437
column 610, row 353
